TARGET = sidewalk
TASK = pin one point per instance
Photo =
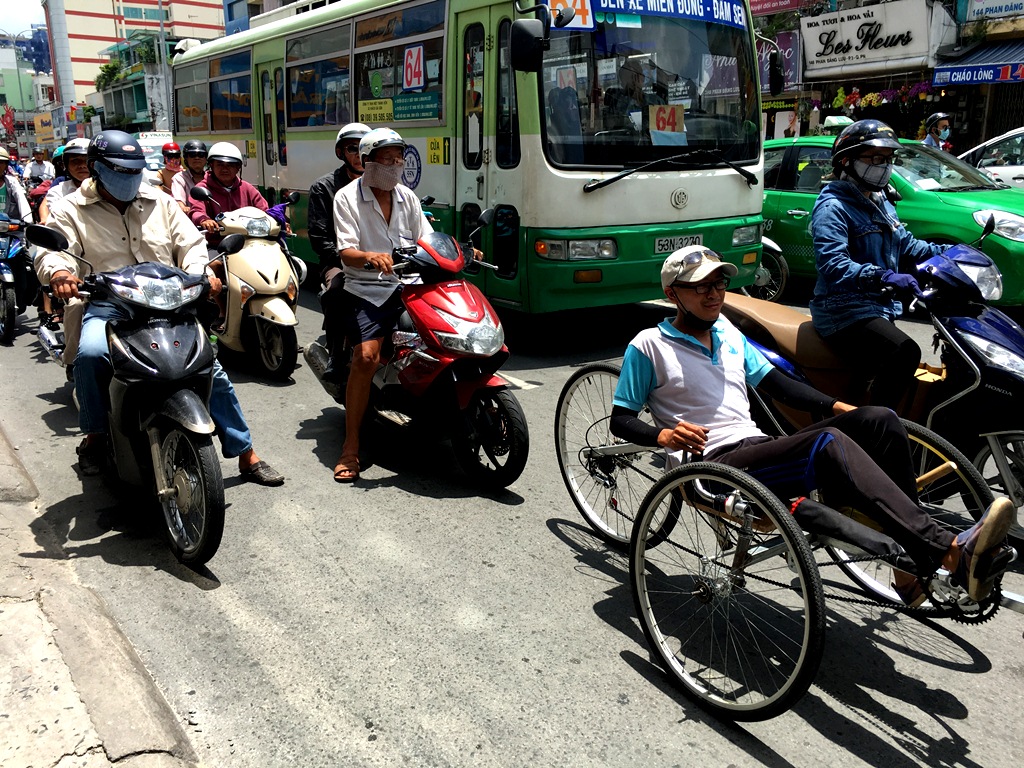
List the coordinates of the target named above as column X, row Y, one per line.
column 73, row 692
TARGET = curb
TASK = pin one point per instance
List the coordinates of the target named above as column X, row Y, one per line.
column 15, row 483
column 60, row 636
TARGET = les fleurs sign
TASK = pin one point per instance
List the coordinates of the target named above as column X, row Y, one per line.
column 859, row 38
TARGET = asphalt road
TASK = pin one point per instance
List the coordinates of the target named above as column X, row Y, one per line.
column 409, row 620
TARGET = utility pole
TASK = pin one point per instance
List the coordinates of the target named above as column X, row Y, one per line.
column 164, row 74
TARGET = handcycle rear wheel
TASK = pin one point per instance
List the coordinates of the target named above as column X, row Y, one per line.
column 949, row 487
column 729, row 598
column 606, row 489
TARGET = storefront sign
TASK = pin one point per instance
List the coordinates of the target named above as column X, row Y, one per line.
column 979, row 73
column 993, row 9
column 789, row 49
column 766, row 7
column 44, row 128
column 882, row 35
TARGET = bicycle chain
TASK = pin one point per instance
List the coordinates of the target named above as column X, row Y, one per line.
column 988, row 608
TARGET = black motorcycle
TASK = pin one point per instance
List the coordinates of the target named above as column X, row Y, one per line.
column 159, row 395
column 18, row 283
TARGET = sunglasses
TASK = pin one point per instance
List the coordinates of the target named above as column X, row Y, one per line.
column 120, row 169
column 352, row 149
column 702, row 289
column 878, row 159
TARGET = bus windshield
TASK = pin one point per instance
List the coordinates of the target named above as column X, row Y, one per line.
column 638, row 88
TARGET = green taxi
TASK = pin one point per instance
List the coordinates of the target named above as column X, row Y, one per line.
column 942, row 199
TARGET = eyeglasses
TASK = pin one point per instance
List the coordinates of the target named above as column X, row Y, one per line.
column 877, row 159
column 702, row 289
column 352, row 149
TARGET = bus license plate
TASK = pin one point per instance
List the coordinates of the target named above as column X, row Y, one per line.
column 669, row 244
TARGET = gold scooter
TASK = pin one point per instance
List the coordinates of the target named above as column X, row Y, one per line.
column 261, row 288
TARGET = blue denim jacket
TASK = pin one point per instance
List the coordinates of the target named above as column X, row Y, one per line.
column 855, row 241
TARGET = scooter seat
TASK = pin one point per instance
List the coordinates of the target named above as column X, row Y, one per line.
column 777, row 327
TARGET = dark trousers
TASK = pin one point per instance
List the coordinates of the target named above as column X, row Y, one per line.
column 334, row 302
column 884, row 356
column 866, row 465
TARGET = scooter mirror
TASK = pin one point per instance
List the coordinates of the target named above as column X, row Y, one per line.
column 485, row 218
column 293, row 197
column 200, row 193
column 990, row 227
column 231, row 244
column 47, row 238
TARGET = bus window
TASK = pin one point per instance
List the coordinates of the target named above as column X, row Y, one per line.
column 318, row 80
column 191, row 98
column 268, row 124
column 473, row 87
column 231, row 92
column 506, row 131
column 282, row 146
column 400, row 79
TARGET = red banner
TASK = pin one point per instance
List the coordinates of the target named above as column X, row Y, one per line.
column 766, row 7
column 8, row 119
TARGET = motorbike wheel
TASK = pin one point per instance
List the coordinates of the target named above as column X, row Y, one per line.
column 774, row 277
column 279, row 350
column 194, row 512
column 8, row 313
column 493, row 452
column 1013, row 449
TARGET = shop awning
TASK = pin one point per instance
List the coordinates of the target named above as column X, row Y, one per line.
column 989, row 63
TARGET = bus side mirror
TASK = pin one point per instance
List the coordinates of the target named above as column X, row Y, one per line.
column 527, row 45
column 776, row 75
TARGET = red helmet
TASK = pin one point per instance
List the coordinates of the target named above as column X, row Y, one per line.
column 170, row 148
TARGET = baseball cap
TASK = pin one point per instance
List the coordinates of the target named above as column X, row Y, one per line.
column 692, row 264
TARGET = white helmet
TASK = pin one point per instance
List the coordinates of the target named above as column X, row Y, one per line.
column 76, row 147
column 351, row 131
column 226, row 152
column 379, row 138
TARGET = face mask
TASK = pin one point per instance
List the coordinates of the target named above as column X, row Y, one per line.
column 872, row 176
column 172, row 163
column 384, row 177
column 121, row 186
column 944, row 134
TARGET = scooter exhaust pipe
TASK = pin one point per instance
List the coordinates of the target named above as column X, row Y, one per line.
column 51, row 343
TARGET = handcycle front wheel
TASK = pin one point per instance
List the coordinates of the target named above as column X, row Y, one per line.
column 729, row 598
column 607, row 488
column 949, row 487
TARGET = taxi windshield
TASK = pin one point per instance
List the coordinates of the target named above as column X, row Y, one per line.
column 932, row 169
column 639, row 87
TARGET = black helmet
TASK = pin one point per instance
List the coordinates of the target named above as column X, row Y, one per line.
column 858, row 136
column 118, row 150
column 194, row 147
column 934, row 120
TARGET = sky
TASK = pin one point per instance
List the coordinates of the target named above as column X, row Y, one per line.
column 20, row 15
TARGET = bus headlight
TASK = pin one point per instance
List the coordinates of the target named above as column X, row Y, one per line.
column 747, row 235
column 576, row 250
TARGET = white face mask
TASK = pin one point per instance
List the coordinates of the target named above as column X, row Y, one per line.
column 384, row 177
column 873, row 176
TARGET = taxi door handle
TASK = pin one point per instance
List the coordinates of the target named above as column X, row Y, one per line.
column 798, row 212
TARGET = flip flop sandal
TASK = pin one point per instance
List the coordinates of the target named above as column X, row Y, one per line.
column 347, row 470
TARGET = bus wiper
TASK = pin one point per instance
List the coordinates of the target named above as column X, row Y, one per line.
column 750, row 178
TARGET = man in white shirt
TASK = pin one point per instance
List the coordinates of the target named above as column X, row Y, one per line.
column 372, row 216
column 39, row 166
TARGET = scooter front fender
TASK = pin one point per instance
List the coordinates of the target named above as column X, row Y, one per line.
column 272, row 308
column 186, row 408
column 464, row 390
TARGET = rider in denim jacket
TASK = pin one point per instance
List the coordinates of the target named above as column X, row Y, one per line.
column 859, row 246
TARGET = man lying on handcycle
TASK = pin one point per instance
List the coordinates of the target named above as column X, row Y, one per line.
column 692, row 372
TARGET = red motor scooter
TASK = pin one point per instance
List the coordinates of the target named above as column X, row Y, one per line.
column 439, row 369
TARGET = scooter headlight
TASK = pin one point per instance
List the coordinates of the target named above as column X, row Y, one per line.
column 988, row 280
column 470, row 338
column 997, row 355
column 258, row 227
column 157, row 294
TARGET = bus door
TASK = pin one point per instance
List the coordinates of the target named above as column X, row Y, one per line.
column 483, row 165
column 270, row 133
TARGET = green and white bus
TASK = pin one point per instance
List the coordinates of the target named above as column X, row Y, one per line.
column 657, row 101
